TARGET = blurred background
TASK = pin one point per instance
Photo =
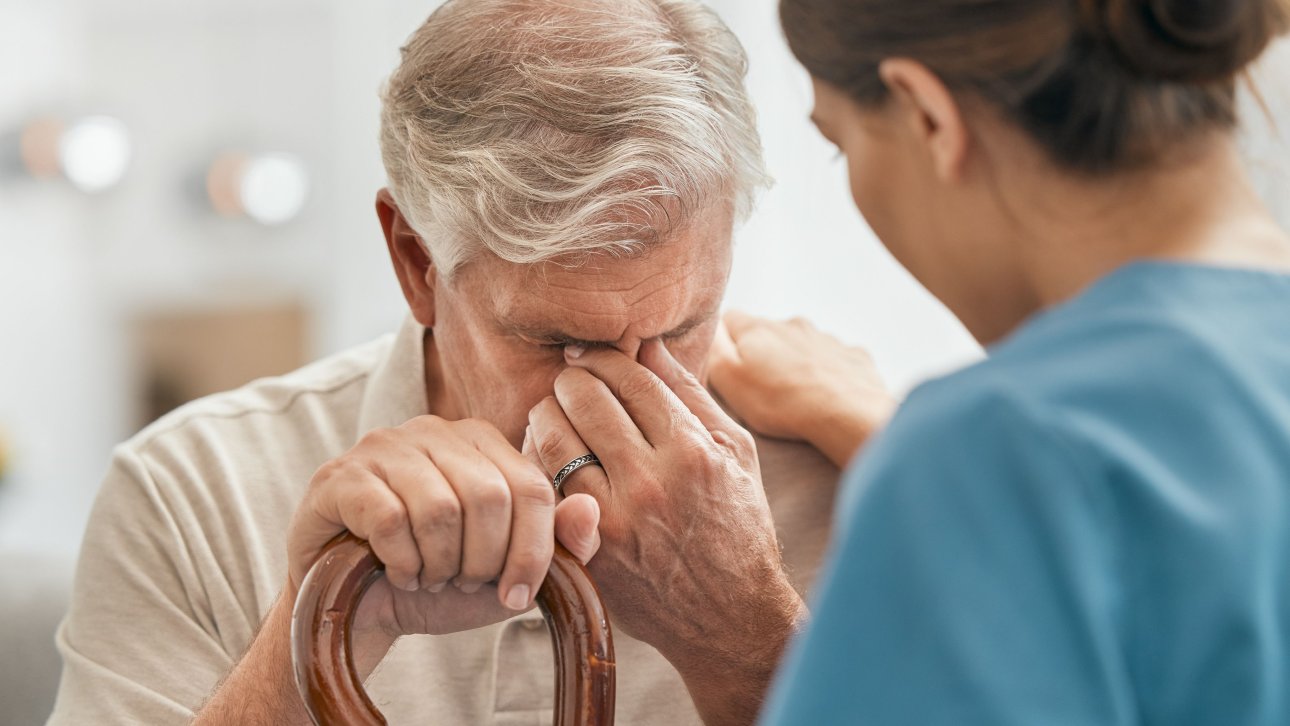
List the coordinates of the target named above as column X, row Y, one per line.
column 186, row 203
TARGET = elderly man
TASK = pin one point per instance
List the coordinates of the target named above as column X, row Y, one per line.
column 563, row 181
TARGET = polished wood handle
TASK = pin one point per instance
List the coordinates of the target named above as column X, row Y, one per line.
column 324, row 616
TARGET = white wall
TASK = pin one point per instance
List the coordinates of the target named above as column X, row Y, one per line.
column 302, row 75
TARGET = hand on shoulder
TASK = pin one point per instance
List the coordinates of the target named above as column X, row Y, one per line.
column 790, row 380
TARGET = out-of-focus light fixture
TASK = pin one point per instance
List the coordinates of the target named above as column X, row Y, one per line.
column 91, row 152
column 268, row 188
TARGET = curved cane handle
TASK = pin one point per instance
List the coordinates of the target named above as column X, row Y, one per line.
column 324, row 615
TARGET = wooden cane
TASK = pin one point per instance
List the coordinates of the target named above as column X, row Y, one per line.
column 321, row 640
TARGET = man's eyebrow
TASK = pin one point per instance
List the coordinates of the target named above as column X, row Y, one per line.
column 546, row 334
column 554, row 335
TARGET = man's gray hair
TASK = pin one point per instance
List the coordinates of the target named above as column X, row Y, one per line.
column 540, row 129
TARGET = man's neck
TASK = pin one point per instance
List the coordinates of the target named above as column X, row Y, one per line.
column 439, row 401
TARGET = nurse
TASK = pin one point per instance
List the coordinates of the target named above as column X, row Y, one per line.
column 1092, row 526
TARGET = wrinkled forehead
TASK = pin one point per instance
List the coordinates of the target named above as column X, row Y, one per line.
column 606, row 299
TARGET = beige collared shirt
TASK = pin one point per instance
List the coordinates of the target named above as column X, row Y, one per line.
column 186, row 551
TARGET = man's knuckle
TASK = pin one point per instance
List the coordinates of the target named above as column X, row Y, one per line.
column 474, row 426
column 378, row 438
column 638, row 384
column 388, row 520
column 536, row 492
column 444, row 557
column 550, row 444
column 740, row 441
column 440, row 516
column 543, row 411
column 583, row 407
column 652, row 498
column 490, row 496
column 330, row 470
column 701, row 461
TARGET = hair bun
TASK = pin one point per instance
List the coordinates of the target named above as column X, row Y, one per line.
column 1186, row 40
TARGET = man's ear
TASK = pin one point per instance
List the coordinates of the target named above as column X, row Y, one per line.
column 412, row 264
column 932, row 113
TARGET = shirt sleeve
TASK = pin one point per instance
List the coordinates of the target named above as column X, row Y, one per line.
column 970, row 580
column 136, row 648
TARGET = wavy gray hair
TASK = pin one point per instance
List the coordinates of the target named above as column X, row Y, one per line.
column 540, row 129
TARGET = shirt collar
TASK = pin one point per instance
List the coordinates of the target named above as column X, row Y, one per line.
column 396, row 391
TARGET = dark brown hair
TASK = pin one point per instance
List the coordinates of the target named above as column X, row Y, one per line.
column 1102, row 85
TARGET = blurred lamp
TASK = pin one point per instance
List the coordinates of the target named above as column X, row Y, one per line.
column 92, row 152
column 268, row 188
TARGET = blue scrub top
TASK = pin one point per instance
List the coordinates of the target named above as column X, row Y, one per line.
column 1090, row 527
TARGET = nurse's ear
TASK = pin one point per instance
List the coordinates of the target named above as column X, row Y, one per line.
column 412, row 264
column 931, row 114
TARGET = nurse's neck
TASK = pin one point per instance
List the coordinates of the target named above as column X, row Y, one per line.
column 1197, row 207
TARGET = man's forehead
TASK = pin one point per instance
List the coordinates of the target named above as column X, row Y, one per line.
column 595, row 313
column 604, row 296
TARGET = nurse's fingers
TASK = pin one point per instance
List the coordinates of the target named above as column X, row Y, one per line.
column 739, row 322
column 723, row 359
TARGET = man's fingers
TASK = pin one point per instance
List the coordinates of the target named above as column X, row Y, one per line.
column 577, row 526
column 363, row 504
column 555, row 442
column 658, row 359
column 435, row 515
column 652, row 407
column 599, row 418
column 532, row 540
column 485, row 498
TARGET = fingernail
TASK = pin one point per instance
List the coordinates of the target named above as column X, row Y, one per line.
column 412, row 585
column 574, row 351
column 437, row 588
column 469, row 589
column 518, row 597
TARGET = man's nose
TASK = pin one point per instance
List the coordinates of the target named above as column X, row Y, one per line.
column 630, row 348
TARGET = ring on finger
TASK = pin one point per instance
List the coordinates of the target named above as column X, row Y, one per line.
column 586, row 459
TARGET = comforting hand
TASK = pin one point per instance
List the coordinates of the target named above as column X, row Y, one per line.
column 689, row 561
column 789, row 380
column 442, row 503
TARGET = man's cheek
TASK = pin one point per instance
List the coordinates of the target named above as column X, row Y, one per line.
column 532, row 382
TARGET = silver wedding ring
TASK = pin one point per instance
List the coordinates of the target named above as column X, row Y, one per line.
column 571, row 467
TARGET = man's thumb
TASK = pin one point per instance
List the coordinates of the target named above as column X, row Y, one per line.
column 577, row 525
